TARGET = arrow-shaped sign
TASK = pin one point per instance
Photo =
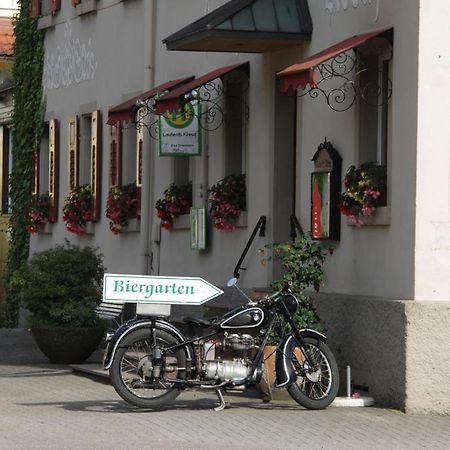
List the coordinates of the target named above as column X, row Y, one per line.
column 160, row 290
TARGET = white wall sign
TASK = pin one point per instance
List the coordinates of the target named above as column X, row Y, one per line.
column 72, row 62
column 335, row 6
column 159, row 290
column 179, row 132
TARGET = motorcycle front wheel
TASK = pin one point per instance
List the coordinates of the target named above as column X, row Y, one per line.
column 318, row 388
column 133, row 369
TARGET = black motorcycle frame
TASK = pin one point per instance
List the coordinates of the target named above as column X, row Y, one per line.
column 273, row 307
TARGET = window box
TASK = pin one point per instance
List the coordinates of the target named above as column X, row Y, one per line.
column 381, row 217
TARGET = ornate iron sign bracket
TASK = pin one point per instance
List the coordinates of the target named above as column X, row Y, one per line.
column 340, row 84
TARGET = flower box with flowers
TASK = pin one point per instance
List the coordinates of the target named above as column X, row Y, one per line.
column 38, row 213
column 122, row 206
column 77, row 210
column 365, row 192
column 227, row 202
column 176, row 202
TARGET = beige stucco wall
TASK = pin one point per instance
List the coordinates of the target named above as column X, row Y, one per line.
column 377, row 274
column 375, row 261
column 432, row 253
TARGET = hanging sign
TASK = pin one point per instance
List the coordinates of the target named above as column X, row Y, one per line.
column 160, row 290
column 325, row 193
column 198, row 229
column 179, row 132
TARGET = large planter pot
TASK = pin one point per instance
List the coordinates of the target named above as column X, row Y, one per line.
column 67, row 345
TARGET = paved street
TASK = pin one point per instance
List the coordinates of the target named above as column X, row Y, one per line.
column 45, row 406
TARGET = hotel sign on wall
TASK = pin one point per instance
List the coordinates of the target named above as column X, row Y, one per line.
column 179, row 132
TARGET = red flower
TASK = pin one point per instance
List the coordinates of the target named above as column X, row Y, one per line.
column 227, row 200
column 177, row 200
column 78, row 209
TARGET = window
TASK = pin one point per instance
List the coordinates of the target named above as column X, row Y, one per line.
column 235, row 88
column 44, row 7
column 84, row 155
column 373, row 108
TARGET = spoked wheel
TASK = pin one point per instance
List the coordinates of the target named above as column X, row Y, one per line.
column 141, row 373
column 316, row 388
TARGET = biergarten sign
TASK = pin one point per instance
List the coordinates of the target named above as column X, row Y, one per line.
column 179, row 132
column 157, row 289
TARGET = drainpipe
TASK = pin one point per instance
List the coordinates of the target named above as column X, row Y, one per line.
column 148, row 154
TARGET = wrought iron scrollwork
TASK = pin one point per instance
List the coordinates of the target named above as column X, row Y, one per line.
column 211, row 112
column 339, row 81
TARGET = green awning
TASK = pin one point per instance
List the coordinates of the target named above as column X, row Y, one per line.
column 247, row 26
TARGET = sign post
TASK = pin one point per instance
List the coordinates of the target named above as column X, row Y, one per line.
column 158, row 290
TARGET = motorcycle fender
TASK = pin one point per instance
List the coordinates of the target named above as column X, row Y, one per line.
column 128, row 327
column 283, row 365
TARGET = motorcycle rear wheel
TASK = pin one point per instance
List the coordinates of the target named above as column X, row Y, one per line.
column 318, row 389
column 127, row 376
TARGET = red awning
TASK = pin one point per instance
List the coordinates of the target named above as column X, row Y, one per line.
column 304, row 72
column 173, row 100
column 122, row 112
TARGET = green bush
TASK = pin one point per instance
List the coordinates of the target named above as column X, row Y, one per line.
column 302, row 261
column 61, row 286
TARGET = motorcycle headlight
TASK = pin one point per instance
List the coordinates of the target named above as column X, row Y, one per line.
column 290, row 302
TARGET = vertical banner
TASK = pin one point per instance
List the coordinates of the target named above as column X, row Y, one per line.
column 320, row 205
column 53, row 168
column 73, row 152
column 179, row 132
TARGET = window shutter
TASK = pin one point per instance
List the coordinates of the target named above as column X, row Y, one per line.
column 115, row 155
column 96, row 162
column 35, row 169
column 53, row 168
column 35, row 8
column 56, row 6
column 73, row 152
column 139, row 149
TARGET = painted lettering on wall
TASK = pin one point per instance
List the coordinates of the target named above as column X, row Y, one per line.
column 335, row 6
column 72, row 62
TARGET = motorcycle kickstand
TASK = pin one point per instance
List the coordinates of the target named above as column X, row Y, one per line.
column 223, row 404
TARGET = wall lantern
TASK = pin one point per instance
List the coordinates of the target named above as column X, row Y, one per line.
column 325, row 193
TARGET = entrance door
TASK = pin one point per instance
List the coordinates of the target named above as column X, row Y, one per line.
column 284, row 167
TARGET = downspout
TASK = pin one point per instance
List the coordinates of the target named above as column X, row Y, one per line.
column 148, row 154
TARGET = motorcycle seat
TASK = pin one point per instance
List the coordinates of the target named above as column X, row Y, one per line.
column 202, row 323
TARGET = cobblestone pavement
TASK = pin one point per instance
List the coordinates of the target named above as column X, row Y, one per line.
column 50, row 407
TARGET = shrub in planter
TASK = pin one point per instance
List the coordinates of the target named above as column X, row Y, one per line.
column 61, row 287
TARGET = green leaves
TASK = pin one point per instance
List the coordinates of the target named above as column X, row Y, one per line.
column 27, row 120
column 302, row 261
column 62, row 285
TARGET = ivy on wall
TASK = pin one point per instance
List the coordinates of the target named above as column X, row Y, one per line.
column 28, row 126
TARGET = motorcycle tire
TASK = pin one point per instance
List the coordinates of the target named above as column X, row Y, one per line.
column 134, row 352
column 318, row 389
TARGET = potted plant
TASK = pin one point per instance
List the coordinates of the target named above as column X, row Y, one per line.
column 365, row 190
column 177, row 200
column 78, row 209
column 226, row 201
column 123, row 204
column 37, row 214
column 61, row 287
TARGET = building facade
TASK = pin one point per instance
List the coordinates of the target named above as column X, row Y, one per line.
column 260, row 67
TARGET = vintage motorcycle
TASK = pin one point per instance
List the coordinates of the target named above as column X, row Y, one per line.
column 150, row 360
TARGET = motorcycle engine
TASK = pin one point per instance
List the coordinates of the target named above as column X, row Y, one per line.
column 231, row 358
